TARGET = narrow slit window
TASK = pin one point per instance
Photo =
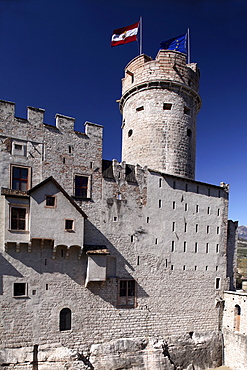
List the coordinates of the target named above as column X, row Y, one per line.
column 140, row 108
column 197, row 208
column 186, row 207
column 160, row 203
column 174, row 205
column 189, row 132
column 160, row 183
column 217, row 283
column 185, row 246
column 185, row 227
column 196, row 228
column 208, row 210
column 186, row 110
column 173, row 245
column 173, row 226
column 207, row 248
column 196, row 247
column 217, row 248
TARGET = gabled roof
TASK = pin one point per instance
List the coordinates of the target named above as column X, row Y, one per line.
column 71, row 200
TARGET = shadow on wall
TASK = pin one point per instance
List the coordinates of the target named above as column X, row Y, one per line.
column 7, row 269
column 42, row 262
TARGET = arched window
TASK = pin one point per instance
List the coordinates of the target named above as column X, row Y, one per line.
column 65, row 319
column 237, row 313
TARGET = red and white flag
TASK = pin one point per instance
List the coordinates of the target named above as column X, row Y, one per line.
column 125, row 34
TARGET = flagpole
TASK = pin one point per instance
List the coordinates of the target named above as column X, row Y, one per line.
column 188, row 35
column 140, row 35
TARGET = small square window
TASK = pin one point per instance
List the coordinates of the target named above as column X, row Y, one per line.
column 69, row 225
column 20, row 290
column 50, row 201
column 167, row 106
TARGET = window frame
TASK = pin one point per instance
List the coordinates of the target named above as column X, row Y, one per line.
column 50, row 196
column 18, row 206
column 65, row 319
column 127, row 297
column 20, row 295
column 22, row 180
column 73, row 224
column 88, row 187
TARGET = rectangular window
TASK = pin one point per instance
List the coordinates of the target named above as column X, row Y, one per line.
column 208, row 210
column 140, row 108
column 127, row 293
column 186, row 207
column 160, row 203
column 50, row 201
column 185, row 246
column 207, row 248
column 186, row 110
column 20, row 178
column 217, row 283
column 19, row 148
column 196, row 228
column 197, row 208
column 173, row 246
column 207, row 229
column 160, row 183
column 173, row 226
column 167, row 106
column 196, row 247
column 174, row 205
column 185, row 227
column 69, row 225
column 217, row 248
column 18, row 218
column 20, row 290
column 82, row 186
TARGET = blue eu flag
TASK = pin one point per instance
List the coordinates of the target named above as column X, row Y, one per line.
column 177, row 44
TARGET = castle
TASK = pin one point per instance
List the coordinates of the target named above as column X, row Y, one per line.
column 109, row 265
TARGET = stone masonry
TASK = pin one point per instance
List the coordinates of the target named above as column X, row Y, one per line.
column 109, row 265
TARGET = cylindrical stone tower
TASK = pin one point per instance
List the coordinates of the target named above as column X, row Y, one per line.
column 159, row 105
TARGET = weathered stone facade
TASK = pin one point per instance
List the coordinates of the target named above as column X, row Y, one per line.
column 110, row 265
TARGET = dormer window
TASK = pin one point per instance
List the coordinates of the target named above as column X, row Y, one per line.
column 69, row 225
column 50, row 201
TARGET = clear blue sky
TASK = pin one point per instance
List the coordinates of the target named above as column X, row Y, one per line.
column 56, row 55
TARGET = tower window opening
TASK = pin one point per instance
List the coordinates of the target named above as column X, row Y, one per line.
column 174, row 205
column 167, row 106
column 130, row 132
column 140, row 108
column 207, row 248
column 208, row 210
column 189, row 132
column 196, row 228
column 218, row 212
column 186, row 110
column 147, row 220
column 160, row 183
column 207, row 229
column 186, row 207
column 184, row 267
column 197, row 208
column 173, row 226
column 185, row 227
column 160, row 203
column 217, row 248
